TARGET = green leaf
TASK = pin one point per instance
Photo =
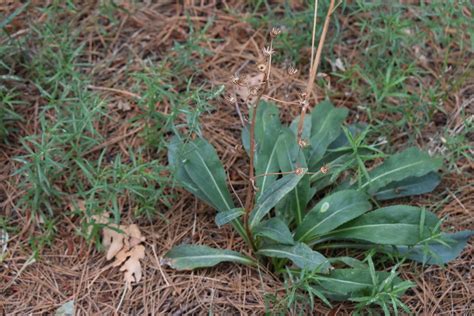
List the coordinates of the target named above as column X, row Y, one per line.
column 180, row 174
column 306, row 133
column 410, row 163
column 267, row 129
column 225, row 217
column 188, row 257
column 435, row 253
column 300, row 254
column 325, row 128
column 351, row 282
column 273, row 195
column 349, row 261
column 393, row 225
column 291, row 157
column 209, row 186
column 331, row 212
column 203, row 166
column 274, row 229
column 409, row 186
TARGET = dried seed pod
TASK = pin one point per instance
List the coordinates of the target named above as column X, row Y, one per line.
column 303, row 143
column 262, row 67
column 324, row 169
column 292, row 71
column 299, row 171
column 303, row 102
column 275, row 32
column 268, row 51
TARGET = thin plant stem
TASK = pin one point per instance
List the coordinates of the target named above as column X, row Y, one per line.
column 249, row 200
column 313, row 37
column 314, row 69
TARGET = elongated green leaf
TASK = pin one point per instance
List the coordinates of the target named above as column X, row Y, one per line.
column 436, row 253
column 349, row 261
column 225, row 217
column 393, row 225
column 410, row 163
column 191, row 159
column 409, row 186
column 204, row 168
column 351, row 282
column 331, row 212
column 273, row 195
column 267, row 129
column 291, row 157
column 180, row 173
column 274, row 229
column 325, row 128
column 306, row 133
column 188, row 257
column 300, row 254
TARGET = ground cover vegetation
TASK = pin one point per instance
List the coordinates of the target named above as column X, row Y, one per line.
column 107, row 109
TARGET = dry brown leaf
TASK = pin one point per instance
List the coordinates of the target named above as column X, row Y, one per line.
column 132, row 267
column 120, row 257
column 113, row 241
column 135, row 236
column 122, row 242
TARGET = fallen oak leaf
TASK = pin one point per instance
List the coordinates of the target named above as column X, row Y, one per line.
column 113, row 241
column 135, row 236
column 122, row 242
column 120, row 257
column 132, row 267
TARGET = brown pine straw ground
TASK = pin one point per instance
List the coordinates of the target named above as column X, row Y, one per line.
column 72, row 269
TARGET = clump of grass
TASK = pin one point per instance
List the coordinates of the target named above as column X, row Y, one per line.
column 67, row 153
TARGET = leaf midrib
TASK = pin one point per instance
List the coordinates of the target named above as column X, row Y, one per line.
column 212, row 177
column 367, row 226
column 327, row 218
column 390, row 172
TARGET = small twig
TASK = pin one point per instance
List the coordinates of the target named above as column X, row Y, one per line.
column 314, row 70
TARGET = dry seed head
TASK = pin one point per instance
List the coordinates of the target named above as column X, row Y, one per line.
column 299, row 171
column 262, row 67
column 292, row 71
column 275, row 32
column 303, row 143
column 324, row 169
column 268, row 51
column 304, row 102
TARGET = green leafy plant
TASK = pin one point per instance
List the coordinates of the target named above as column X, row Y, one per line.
column 310, row 189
